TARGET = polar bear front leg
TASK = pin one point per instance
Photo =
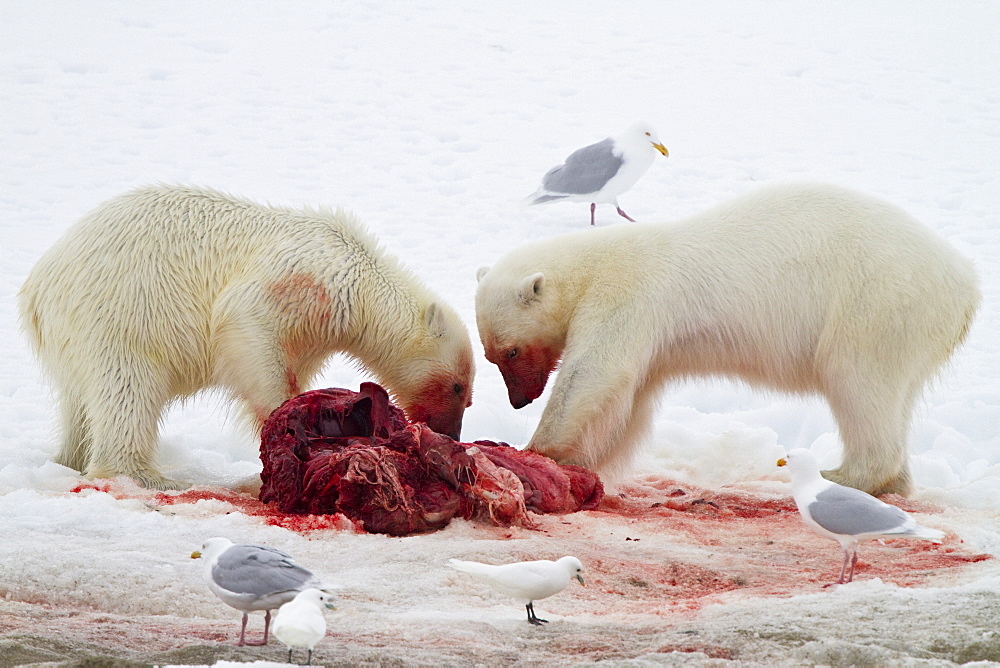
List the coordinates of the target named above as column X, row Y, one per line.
column 589, row 413
column 250, row 359
column 123, row 411
column 263, row 380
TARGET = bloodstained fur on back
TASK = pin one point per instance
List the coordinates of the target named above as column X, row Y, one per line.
column 337, row 451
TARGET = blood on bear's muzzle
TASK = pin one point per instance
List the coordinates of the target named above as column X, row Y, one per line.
column 449, row 426
column 519, row 402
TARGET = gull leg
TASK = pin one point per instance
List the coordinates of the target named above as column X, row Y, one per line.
column 289, row 655
column 593, row 206
column 309, row 661
column 243, row 631
column 532, row 618
column 623, row 214
column 843, row 569
column 267, row 626
column 854, row 561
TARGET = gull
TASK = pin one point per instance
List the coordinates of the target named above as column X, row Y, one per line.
column 846, row 514
column 525, row 581
column 602, row 171
column 252, row 577
column 300, row 622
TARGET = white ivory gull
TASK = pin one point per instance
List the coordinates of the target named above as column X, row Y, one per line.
column 300, row 622
column 525, row 581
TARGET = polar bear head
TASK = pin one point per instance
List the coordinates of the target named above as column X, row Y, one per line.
column 521, row 327
column 432, row 378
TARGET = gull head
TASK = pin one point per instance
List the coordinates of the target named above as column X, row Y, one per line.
column 575, row 568
column 642, row 134
column 802, row 465
column 211, row 548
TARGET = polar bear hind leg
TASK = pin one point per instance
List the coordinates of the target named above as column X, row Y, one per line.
column 250, row 361
column 74, row 450
column 122, row 412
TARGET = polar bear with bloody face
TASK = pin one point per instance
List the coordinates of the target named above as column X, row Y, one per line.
column 164, row 291
column 800, row 288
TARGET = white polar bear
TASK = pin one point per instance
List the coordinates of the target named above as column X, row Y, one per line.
column 802, row 288
column 164, row 291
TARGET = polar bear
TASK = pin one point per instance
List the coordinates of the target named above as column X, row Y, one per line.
column 803, row 288
column 164, row 291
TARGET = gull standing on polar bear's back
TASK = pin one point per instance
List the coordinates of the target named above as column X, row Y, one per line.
column 526, row 581
column 601, row 172
column 846, row 514
column 802, row 288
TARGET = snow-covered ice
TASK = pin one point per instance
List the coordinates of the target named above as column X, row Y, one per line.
column 431, row 121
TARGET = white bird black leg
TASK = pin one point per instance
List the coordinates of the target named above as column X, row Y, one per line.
column 289, row 655
column 309, row 660
column 532, row 618
column 593, row 207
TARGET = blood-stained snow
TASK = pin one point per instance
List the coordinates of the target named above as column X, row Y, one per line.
column 431, row 122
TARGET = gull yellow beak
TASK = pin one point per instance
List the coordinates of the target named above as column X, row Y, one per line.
column 196, row 555
column 661, row 148
column 580, row 578
column 782, row 462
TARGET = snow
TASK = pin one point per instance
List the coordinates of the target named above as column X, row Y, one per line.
column 431, row 121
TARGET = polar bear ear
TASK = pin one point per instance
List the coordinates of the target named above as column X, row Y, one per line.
column 435, row 321
column 531, row 288
column 480, row 273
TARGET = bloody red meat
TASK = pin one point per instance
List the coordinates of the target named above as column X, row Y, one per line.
column 338, row 451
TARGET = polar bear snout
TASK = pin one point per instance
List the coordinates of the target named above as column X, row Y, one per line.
column 526, row 372
column 522, row 392
column 449, row 424
column 438, row 413
column 519, row 402
column 442, row 399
